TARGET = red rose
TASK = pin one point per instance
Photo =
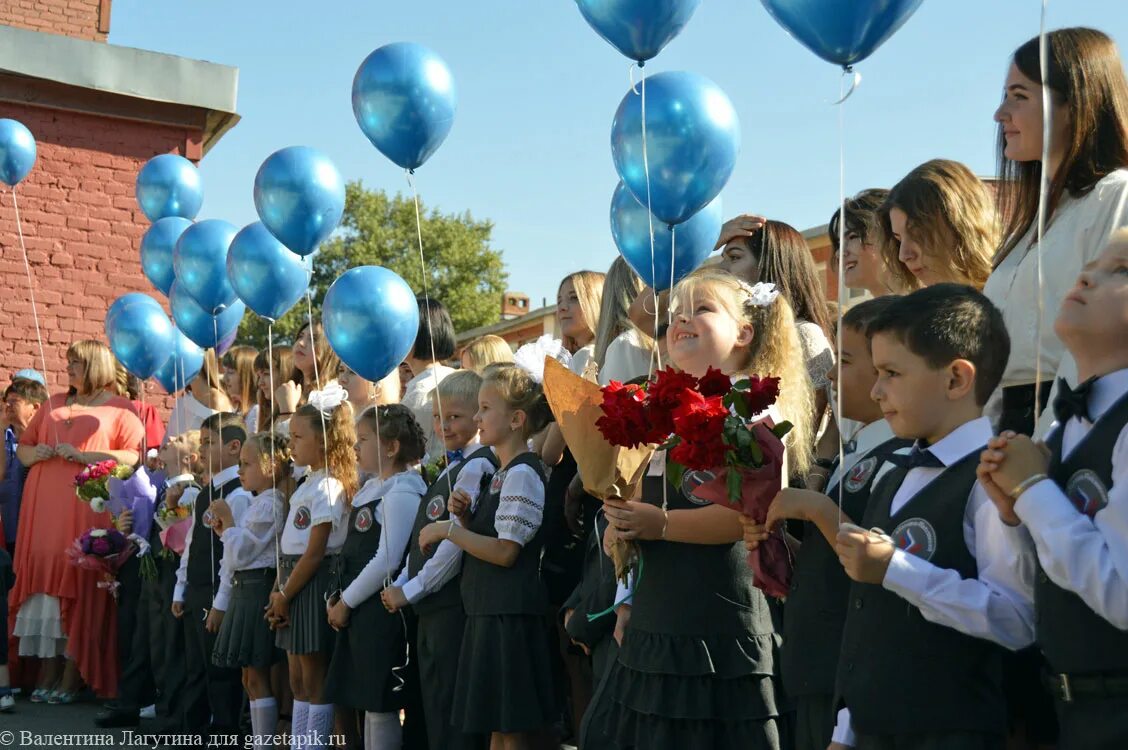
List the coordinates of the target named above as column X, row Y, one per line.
column 698, row 456
column 761, row 393
column 669, row 389
column 700, row 423
column 714, row 383
column 624, row 415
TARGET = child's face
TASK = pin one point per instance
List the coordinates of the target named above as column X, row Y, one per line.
column 305, row 445
column 173, row 453
column 858, row 377
column 360, row 390
column 19, row 411
column 371, row 453
column 251, row 473
column 1093, row 319
column 495, row 420
column 569, row 316
column 912, row 396
column 213, row 452
column 457, row 424
column 231, row 382
column 705, row 335
column 861, row 262
column 738, row 259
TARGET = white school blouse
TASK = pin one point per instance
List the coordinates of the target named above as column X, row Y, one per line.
column 1078, row 233
column 249, row 544
column 320, row 499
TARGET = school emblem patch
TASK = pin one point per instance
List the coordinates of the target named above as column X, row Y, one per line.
column 917, row 537
column 363, row 521
column 860, row 473
column 435, row 508
column 302, row 519
column 1087, row 492
column 691, row 480
column 496, row 482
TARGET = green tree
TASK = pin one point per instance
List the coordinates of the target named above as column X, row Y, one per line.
column 463, row 271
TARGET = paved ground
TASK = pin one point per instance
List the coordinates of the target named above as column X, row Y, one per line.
column 40, row 725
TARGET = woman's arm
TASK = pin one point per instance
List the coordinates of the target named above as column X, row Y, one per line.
column 126, row 458
column 552, row 452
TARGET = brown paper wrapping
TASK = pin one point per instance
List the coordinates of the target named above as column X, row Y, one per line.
column 608, row 471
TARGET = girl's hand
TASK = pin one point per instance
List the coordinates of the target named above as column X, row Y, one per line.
column 44, row 452
column 339, row 613
column 222, row 518
column 795, row 504
column 278, row 611
column 215, row 619
column 459, row 504
column 393, row 598
column 123, row 522
column 622, row 617
column 432, row 534
column 69, row 452
column 610, row 537
column 287, row 396
column 754, row 533
column 635, row 519
column 744, row 225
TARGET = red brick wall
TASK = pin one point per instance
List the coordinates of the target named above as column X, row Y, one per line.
column 82, row 228
column 84, row 19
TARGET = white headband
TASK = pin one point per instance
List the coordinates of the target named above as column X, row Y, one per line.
column 530, row 357
column 328, row 398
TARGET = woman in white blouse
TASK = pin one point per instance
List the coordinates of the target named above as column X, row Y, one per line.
column 1087, row 202
column 622, row 352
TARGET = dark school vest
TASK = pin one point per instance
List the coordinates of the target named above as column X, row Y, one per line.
column 489, row 589
column 899, row 673
column 820, row 589
column 1074, row 638
column 207, row 548
column 434, row 508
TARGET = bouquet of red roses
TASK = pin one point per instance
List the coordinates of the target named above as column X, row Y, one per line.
column 714, row 428
column 103, row 551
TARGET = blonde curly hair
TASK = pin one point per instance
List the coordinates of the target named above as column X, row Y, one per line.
column 338, row 433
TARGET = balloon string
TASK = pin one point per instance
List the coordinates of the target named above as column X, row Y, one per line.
column 650, row 220
column 34, row 307
column 427, row 314
column 1043, row 198
column 855, row 81
column 219, row 433
column 841, row 282
column 273, row 465
column 317, row 382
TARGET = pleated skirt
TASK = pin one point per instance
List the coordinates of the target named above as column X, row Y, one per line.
column 245, row 639
column 308, row 631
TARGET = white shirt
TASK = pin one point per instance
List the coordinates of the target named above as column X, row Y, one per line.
column 320, row 499
column 417, row 397
column 251, row 420
column 1088, row 556
column 582, row 358
column 253, row 541
column 998, row 604
column 445, row 563
column 238, row 501
column 625, row 359
column 187, row 414
column 521, row 509
column 1077, row 234
column 865, row 440
column 396, row 504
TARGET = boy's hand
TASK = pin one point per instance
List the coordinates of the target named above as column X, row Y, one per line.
column 177, row 609
column 215, row 619
column 222, row 517
column 754, row 533
column 989, row 461
column 459, row 504
column 864, row 555
column 393, row 598
column 1018, row 461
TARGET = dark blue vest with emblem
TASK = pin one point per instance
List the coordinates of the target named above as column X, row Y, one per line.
column 1074, row 638
column 820, row 589
column 207, row 549
column 489, row 589
column 434, row 508
column 899, row 673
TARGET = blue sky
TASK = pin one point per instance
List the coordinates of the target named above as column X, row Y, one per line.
column 537, row 91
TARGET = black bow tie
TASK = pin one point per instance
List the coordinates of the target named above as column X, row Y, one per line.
column 1073, row 402
column 850, row 446
column 919, row 458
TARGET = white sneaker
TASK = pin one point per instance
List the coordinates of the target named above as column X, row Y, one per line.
column 7, row 703
column 149, row 712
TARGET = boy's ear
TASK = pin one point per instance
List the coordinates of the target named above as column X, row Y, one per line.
column 961, row 380
column 234, row 446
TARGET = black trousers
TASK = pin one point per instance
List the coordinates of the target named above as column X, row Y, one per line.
column 209, row 690
column 167, row 634
column 814, row 721
column 438, row 644
column 136, row 686
column 1100, row 724
column 414, row 722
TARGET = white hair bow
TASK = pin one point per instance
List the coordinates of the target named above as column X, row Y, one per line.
column 530, row 357
column 762, row 294
column 328, row 398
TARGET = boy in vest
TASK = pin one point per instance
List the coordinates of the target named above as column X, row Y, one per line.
column 816, row 604
column 203, row 588
column 934, row 599
column 430, row 582
column 1073, row 500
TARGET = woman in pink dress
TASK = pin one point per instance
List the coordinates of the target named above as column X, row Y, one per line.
column 63, row 617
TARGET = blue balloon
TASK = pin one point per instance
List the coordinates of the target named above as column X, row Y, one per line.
column 157, row 246
column 638, row 28
column 693, row 240
column 404, row 100
column 371, row 319
column 693, row 138
column 264, row 274
column 17, row 152
column 841, row 32
column 203, row 328
column 169, row 185
column 182, row 364
column 139, row 333
column 200, row 262
column 300, row 197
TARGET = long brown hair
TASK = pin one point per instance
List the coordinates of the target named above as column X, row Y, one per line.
column 1086, row 74
column 951, row 214
column 785, row 260
column 283, row 365
column 328, row 363
column 241, row 359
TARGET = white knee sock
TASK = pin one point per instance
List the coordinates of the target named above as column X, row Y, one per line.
column 264, row 720
column 299, row 723
column 320, row 724
column 382, row 731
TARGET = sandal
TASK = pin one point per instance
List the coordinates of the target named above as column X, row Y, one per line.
column 40, row 695
column 61, row 698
